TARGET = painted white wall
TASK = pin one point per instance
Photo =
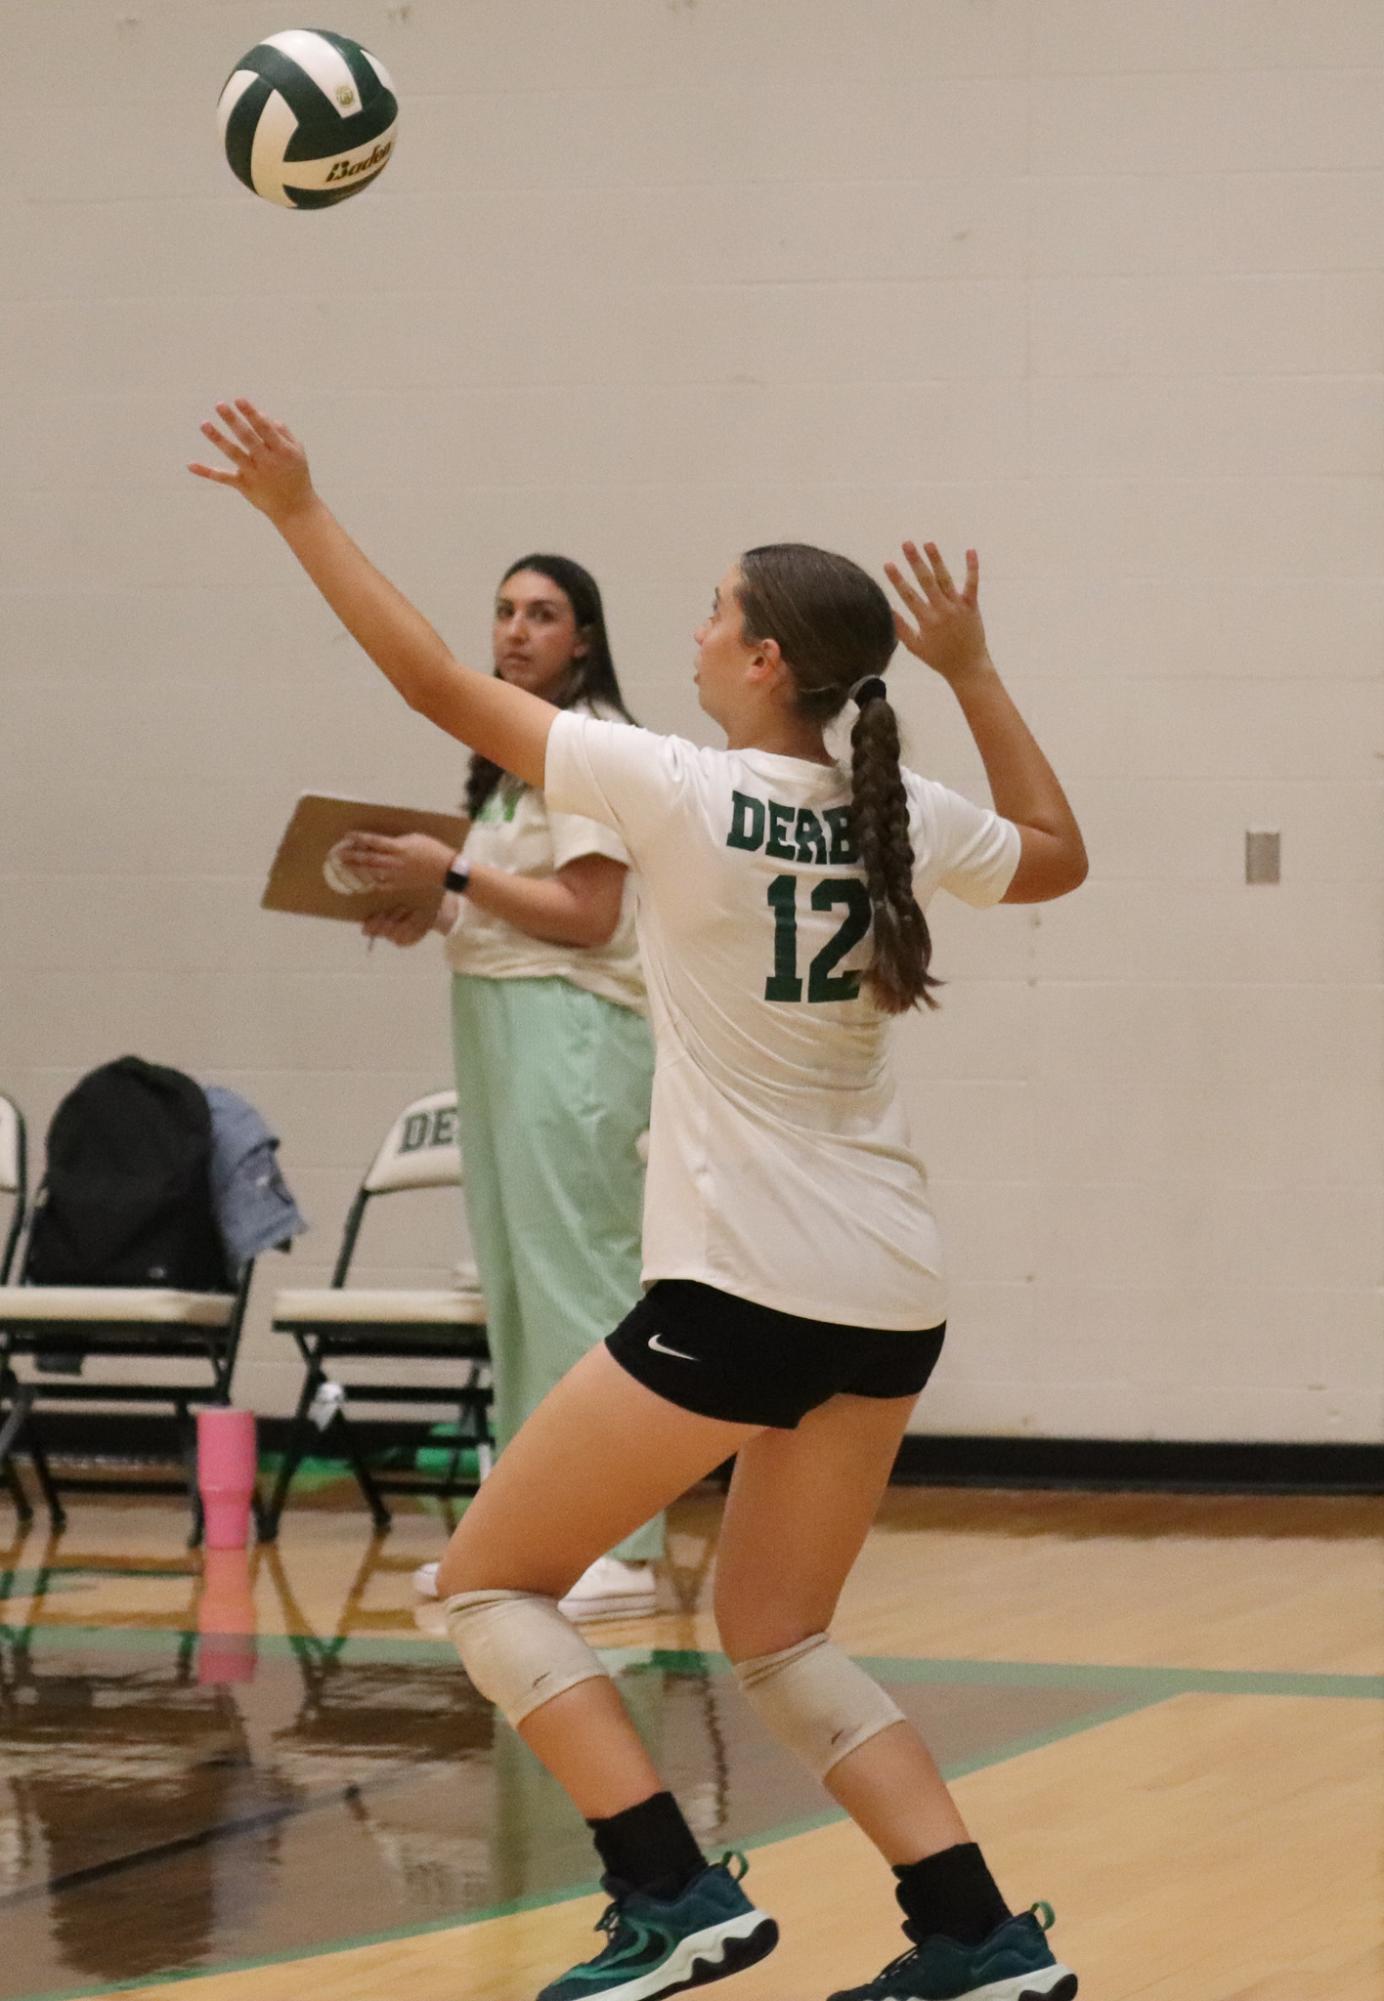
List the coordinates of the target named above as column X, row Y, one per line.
column 1096, row 285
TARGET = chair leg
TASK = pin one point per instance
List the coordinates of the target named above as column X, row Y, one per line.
column 23, row 1506
column 48, row 1486
column 267, row 1519
column 473, row 1428
column 378, row 1510
column 18, row 1426
column 187, row 1435
column 12, row 1426
column 466, row 1435
column 9, row 1432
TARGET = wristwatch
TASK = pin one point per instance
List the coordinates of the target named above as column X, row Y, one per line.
column 458, row 876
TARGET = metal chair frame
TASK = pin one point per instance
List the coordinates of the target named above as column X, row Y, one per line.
column 418, row 1151
column 125, row 1335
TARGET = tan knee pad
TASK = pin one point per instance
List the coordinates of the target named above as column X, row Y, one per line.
column 518, row 1649
column 817, row 1701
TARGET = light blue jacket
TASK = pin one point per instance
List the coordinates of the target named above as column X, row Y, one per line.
column 255, row 1210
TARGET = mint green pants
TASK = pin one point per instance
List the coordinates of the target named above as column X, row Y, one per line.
column 553, row 1089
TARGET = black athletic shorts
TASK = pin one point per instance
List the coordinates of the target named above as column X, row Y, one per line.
column 720, row 1356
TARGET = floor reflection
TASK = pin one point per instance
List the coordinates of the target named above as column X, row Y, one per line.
column 173, row 1801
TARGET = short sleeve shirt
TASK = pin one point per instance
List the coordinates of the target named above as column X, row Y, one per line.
column 519, row 831
column 781, row 1167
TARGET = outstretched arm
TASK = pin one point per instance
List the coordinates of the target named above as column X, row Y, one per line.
column 947, row 633
column 269, row 468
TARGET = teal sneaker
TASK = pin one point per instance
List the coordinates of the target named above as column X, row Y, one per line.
column 654, row 1948
column 1013, row 1964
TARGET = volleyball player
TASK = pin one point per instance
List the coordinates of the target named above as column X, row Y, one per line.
column 795, row 1300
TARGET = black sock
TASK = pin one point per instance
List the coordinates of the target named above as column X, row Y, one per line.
column 650, row 1847
column 952, row 1893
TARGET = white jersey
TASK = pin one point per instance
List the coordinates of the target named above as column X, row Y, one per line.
column 780, row 1164
column 518, row 831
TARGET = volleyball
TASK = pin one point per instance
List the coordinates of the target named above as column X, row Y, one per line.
column 308, row 118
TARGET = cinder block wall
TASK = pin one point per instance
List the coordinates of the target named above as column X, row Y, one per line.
column 1092, row 284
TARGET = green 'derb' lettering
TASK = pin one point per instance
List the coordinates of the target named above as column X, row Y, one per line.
column 746, row 822
column 780, row 820
column 843, row 847
column 812, row 841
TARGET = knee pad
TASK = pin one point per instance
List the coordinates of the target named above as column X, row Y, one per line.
column 817, row 1701
column 518, row 1649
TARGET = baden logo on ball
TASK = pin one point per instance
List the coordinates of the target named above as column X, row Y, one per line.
column 308, row 118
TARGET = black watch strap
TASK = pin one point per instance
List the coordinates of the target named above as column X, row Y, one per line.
column 458, row 876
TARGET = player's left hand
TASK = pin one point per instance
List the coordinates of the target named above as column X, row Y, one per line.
column 405, row 926
column 944, row 627
column 398, row 861
column 270, row 466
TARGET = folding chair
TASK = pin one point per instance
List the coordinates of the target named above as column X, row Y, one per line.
column 98, row 1324
column 14, row 1185
column 342, row 1323
column 13, row 1178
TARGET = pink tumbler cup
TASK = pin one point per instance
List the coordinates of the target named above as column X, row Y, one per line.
column 226, row 1624
column 226, row 1465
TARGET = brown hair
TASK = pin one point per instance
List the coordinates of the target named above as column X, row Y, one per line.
column 834, row 627
column 592, row 678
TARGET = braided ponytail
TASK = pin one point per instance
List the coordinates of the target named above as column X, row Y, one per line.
column 897, row 975
column 835, row 630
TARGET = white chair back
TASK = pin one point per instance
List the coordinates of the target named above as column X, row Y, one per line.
column 11, row 1148
column 420, row 1149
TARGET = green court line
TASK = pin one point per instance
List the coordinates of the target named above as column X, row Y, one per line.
column 541, row 1900
column 571, row 1893
column 1154, row 1684
column 1142, row 1688
column 1159, row 1683
column 50, row 1577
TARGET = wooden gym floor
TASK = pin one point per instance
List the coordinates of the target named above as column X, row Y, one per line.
column 269, row 1779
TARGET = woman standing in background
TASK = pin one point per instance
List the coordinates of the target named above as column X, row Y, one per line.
column 554, row 1060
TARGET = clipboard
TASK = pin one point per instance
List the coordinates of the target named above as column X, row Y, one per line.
column 299, row 881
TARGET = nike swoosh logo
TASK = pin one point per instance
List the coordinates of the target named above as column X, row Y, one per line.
column 660, row 1347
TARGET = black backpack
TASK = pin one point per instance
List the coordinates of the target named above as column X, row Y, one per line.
column 126, row 1195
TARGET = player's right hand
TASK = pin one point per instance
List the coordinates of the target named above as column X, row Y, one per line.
column 944, row 627
column 270, row 466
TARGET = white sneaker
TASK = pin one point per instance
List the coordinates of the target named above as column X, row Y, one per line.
column 611, row 1589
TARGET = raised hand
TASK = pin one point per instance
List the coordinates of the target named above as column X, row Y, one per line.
column 944, row 626
column 270, row 467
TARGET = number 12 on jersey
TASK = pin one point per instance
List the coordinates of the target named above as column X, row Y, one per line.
column 823, row 983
